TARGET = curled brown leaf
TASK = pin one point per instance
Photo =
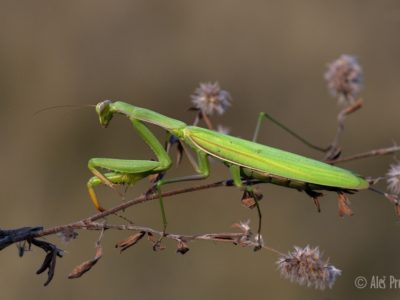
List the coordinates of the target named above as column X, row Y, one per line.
column 86, row 266
column 130, row 241
column 343, row 205
column 182, row 247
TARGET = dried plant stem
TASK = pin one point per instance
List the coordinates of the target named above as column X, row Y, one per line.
column 375, row 152
column 84, row 223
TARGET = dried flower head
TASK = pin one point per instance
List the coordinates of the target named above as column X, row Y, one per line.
column 306, row 267
column 393, row 178
column 209, row 97
column 344, row 78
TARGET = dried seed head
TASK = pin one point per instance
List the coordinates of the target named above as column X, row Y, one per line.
column 393, row 178
column 209, row 97
column 306, row 267
column 344, row 78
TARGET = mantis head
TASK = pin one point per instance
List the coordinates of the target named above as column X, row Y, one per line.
column 103, row 109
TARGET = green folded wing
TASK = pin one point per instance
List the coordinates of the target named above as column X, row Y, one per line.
column 272, row 161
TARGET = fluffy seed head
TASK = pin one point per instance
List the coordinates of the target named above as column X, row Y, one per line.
column 393, row 178
column 306, row 267
column 210, row 98
column 344, row 78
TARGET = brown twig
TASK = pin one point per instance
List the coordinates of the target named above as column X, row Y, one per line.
column 84, row 223
column 375, row 152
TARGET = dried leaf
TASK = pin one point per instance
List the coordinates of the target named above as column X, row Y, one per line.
column 248, row 202
column 86, row 266
column 343, row 205
column 182, row 247
column 130, row 241
column 353, row 107
column 249, row 199
column 49, row 262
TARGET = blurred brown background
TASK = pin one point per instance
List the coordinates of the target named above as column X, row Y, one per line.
column 271, row 56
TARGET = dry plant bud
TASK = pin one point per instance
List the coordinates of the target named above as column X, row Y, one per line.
column 210, row 98
column 344, row 78
column 306, row 267
column 86, row 266
column 130, row 241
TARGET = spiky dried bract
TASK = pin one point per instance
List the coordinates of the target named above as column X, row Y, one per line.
column 344, row 78
column 210, row 98
column 306, row 267
column 393, row 178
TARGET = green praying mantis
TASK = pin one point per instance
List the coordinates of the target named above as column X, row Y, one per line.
column 246, row 160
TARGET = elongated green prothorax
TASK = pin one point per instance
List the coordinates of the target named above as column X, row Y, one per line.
column 245, row 160
column 106, row 109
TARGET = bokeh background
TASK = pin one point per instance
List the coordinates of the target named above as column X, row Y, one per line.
column 271, row 56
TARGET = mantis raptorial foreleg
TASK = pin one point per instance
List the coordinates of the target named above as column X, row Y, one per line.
column 131, row 171
column 127, row 171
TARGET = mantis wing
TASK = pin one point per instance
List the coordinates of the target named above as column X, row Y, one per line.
column 272, row 161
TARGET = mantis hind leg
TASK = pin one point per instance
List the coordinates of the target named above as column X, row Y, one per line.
column 264, row 116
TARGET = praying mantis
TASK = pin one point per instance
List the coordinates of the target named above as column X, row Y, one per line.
column 246, row 160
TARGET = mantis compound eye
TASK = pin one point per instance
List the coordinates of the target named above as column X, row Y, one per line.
column 103, row 106
column 103, row 110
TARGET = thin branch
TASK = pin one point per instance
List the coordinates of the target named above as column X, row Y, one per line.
column 140, row 199
column 375, row 152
